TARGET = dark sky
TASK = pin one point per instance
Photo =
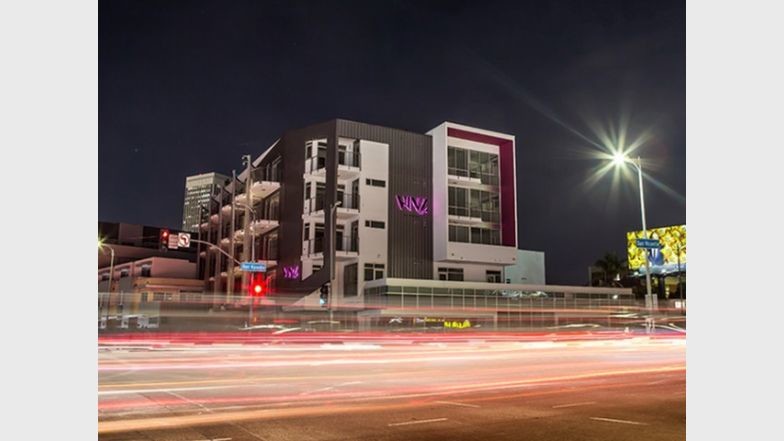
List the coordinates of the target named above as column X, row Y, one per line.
column 187, row 87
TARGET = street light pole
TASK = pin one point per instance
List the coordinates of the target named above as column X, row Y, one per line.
column 332, row 230
column 111, row 278
column 649, row 301
column 252, row 229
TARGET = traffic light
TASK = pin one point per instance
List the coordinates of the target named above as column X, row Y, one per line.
column 324, row 297
column 257, row 286
column 164, row 239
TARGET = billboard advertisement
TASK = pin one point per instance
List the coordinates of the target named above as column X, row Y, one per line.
column 670, row 257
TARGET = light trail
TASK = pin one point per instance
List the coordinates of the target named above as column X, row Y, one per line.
column 159, row 388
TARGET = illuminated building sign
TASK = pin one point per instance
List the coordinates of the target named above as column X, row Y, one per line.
column 457, row 324
column 291, row 272
column 412, row 204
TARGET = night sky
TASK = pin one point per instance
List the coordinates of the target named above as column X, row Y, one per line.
column 187, row 87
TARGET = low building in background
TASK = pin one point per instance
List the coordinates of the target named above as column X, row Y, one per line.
column 132, row 242
column 140, row 288
column 529, row 268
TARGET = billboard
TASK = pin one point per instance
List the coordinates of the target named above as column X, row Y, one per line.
column 664, row 260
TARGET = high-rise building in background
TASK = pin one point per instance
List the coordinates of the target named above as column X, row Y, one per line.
column 198, row 189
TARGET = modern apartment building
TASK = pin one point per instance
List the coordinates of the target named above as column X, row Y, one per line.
column 198, row 190
column 439, row 206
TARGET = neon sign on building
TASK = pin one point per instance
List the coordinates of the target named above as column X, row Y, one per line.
column 412, row 204
column 291, row 272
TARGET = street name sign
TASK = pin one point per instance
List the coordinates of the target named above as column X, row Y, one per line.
column 648, row 243
column 253, row 267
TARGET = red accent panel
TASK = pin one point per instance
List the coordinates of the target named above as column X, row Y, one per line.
column 507, row 169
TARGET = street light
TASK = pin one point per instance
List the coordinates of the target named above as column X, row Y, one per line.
column 332, row 286
column 253, row 229
column 619, row 159
column 101, row 246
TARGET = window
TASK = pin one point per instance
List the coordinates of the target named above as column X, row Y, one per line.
column 457, row 161
column 455, row 274
column 375, row 182
column 146, row 271
column 350, row 280
column 124, row 273
column 493, row 276
column 458, row 201
column 307, row 191
column 374, row 271
column 306, row 232
column 158, row 296
column 316, row 267
column 374, row 224
column 308, row 150
column 458, row 234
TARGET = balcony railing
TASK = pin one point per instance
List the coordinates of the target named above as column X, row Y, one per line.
column 349, row 201
column 344, row 244
column 349, row 159
column 266, row 173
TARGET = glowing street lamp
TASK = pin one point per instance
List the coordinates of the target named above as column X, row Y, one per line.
column 619, row 159
column 101, row 246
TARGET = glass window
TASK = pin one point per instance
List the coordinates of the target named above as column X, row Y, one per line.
column 374, row 271
column 493, row 276
column 458, row 234
column 350, row 280
column 375, row 182
column 457, row 160
column 454, row 274
column 375, row 224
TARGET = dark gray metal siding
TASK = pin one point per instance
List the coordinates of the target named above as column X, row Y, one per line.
column 291, row 202
column 410, row 237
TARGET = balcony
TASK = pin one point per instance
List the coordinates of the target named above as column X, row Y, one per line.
column 345, row 248
column 348, row 209
column 348, row 165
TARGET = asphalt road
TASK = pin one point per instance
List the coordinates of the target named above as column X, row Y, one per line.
column 615, row 389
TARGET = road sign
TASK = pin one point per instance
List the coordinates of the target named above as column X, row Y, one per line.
column 184, row 240
column 173, row 240
column 253, row 267
column 648, row 243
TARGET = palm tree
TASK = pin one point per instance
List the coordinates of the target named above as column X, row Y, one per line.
column 611, row 267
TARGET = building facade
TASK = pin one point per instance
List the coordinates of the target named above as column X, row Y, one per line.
column 438, row 206
column 198, row 191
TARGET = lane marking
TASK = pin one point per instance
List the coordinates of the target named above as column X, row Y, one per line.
column 561, row 406
column 457, row 404
column 406, row 423
column 612, row 420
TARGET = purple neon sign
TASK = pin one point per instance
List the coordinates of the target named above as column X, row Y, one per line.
column 291, row 272
column 412, row 204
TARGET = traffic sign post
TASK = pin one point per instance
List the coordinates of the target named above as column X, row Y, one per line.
column 253, row 267
column 648, row 243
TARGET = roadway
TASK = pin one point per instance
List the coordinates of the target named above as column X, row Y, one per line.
column 617, row 387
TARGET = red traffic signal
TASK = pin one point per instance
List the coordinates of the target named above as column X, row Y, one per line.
column 257, row 286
